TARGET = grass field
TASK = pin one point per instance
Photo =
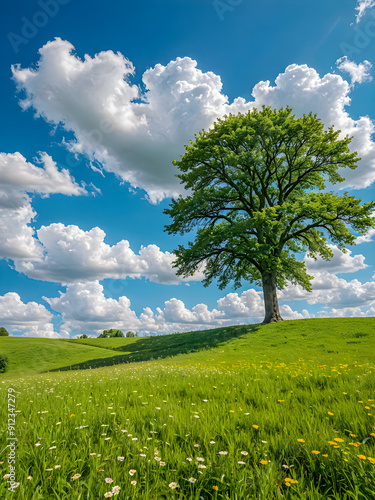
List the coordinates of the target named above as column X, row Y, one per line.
column 265, row 411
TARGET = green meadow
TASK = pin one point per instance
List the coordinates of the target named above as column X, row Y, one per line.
column 278, row 411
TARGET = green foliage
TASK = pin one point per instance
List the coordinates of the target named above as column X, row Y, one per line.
column 3, row 332
column 257, row 198
column 131, row 334
column 4, row 361
column 111, row 334
column 83, row 336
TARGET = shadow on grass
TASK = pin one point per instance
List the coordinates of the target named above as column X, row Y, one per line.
column 162, row 346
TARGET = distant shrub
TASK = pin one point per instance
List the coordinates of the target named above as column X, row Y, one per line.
column 110, row 334
column 3, row 363
column 131, row 334
column 83, row 336
column 3, row 332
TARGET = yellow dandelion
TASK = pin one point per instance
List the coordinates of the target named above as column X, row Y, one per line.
column 256, row 426
column 263, row 462
column 216, row 488
column 362, row 457
column 324, row 455
column 371, row 460
column 315, row 452
column 339, row 440
column 301, row 440
column 330, row 413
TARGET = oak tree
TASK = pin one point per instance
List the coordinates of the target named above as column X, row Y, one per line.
column 256, row 197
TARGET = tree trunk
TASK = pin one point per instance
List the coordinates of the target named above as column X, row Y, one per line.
column 271, row 304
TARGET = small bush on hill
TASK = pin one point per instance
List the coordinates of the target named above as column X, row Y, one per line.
column 3, row 363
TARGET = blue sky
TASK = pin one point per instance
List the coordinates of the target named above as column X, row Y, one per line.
column 103, row 96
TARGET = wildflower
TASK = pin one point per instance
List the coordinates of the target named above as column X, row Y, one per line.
column 72, row 415
column 216, row 488
column 108, row 480
column 196, row 446
column 223, row 453
column 52, row 448
column 324, row 455
column 76, row 476
column 173, row 486
column 120, row 459
column 57, row 466
column 244, row 453
column 315, row 452
column 242, row 463
column 38, row 444
column 301, row 440
column 132, row 472
column 212, row 442
column 256, row 426
column 281, row 400
column 161, row 463
column 362, row 457
column 133, row 483
column 7, row 476
column 191, row 480
column 329, row 413
column 200, row 466
column 265, row 442
column 116, row 490
column 371, row 460
column 29, row 477
column 200, row 459
column 108, row 494
column 353, row 435
column 15, row 485
column 189, row 459
column 231, row 411
column 339, row 440
column 263, row 462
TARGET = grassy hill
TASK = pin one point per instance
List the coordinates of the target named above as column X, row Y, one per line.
column 282, row 411
column 325, row 339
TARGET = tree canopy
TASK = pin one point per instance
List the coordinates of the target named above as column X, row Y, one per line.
column 256, row 197
column 3, row 332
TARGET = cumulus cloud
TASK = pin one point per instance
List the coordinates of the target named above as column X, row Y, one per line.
column 362, row 7
column 340, row 262
column 85, row 309
column 17, row 174
column 137, row 133
column 30, row 319
column 359, row 73
column 366, row 238
column 18, row 177
column 73, row 255
column 332, row 291
column 17, row 236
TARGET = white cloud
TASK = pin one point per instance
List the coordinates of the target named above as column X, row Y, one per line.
column 332, row 291
column 362, row 7
column 16, row 173
column 17, row 236
column 366, row 238
column 340, row 262
column 17, row 176
column 85, row 309
column 74, row 255
column 30, row 319
column 137, row 134
column 359, row 73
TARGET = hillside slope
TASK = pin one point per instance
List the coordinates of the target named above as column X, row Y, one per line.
column 327, row 339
